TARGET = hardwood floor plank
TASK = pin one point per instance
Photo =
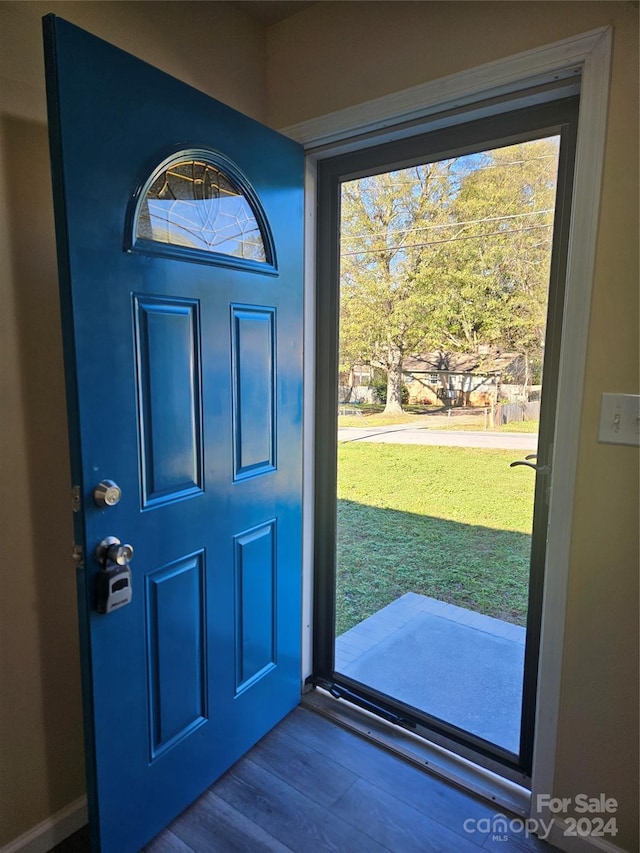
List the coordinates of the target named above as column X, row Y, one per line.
column 304, row 768
column 167, row 842
column 310, row 786
column 419, row 789
column 213, row 826
column 287, row 814
column 398, row 826
column 515, row 842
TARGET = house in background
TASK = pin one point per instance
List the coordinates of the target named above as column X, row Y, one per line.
column 356, row 384
column 457, row 379
column 287, row 63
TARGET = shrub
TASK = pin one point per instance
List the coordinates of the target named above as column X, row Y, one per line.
column 380, row 390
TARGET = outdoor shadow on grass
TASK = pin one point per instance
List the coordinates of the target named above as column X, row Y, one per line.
column 385, row 553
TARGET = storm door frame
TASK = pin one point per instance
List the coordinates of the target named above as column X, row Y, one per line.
column 555, row 118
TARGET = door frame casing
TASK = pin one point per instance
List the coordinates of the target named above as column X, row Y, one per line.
column 433, row 105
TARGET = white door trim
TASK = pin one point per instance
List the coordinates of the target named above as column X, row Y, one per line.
column 544, row 64
column 587, row 55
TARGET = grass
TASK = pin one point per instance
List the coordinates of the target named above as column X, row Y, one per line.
column 466, row 421
column 514, row 426
column 375, row 419
column 371, row 414
column 448, row 522
column 520, row 426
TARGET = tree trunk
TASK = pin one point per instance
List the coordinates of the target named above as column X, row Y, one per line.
column 394, row 386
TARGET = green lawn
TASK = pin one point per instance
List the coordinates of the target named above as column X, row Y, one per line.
column 478, row 425
column 467, row 421
column 452, row 523
column 520, row 426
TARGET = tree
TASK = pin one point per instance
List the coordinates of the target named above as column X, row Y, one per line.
column 383, row 314
column 452, row 256
column 495, row 286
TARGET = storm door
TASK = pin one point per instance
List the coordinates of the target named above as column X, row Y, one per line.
column 440, row 293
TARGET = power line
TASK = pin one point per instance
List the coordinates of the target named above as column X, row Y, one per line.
column 449, row 240
column 471, row 171
column 447, row 224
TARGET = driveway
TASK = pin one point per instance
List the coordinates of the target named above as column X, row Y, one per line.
column 408, row 434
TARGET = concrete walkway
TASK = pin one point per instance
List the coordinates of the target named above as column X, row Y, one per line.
column 409, row 434
column 456, row 664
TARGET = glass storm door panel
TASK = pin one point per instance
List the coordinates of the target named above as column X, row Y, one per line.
column 444, row 279
column 179, row 226
column 448, row 280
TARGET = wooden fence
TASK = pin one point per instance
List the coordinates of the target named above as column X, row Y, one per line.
column 506, row 413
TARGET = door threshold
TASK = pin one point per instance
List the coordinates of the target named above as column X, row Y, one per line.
column 454, row 769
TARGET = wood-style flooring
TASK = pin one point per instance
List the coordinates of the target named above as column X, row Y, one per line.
column 311, row 785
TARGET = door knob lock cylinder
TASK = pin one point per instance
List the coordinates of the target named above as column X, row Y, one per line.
column 113, row 581
column 107, row 493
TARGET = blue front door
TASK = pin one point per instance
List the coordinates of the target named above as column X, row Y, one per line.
column 179, row 227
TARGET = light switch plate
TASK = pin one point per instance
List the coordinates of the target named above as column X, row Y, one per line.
column 620, row 419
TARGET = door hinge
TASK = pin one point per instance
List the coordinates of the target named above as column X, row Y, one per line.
column 77, row 555
column 76, row 499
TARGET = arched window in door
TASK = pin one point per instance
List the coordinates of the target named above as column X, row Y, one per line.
column 197, row 205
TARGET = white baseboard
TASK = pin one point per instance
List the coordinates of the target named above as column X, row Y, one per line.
column 576, row 844
column 52, row 830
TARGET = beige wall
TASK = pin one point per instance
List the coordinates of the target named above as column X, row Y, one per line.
column 324, row 58
column 41, row 755
column 335, row 55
